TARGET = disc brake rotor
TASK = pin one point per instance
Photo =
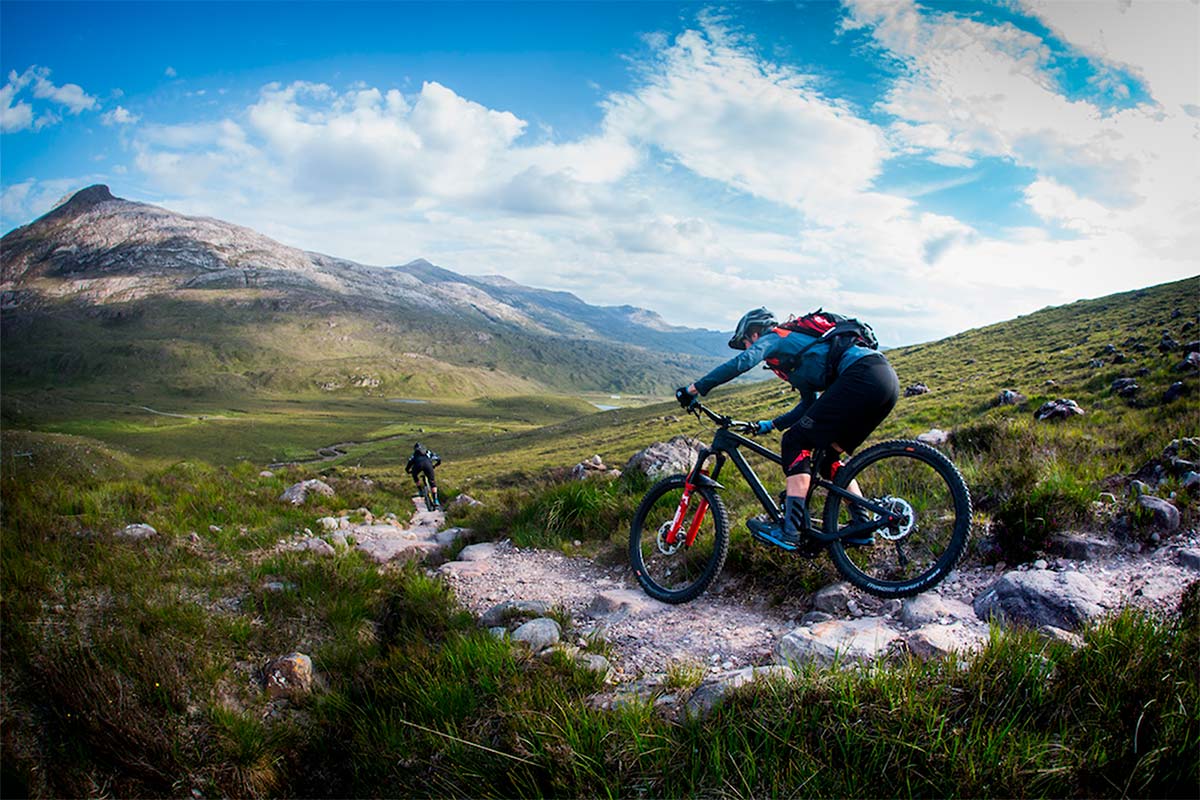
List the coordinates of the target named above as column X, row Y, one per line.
column 901, row 508
column 663, row 547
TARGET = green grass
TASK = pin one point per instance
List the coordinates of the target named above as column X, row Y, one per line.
column 125, row 669
column 129, row 667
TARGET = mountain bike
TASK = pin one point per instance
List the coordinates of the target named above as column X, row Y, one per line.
column 426, row 492
column 913, row 500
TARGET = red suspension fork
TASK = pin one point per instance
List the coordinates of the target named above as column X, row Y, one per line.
column 682, row 512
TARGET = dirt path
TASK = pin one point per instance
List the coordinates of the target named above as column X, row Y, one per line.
column 726, row 628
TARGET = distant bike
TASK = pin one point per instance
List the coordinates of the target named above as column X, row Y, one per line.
column 913, row 500
column 427, row 493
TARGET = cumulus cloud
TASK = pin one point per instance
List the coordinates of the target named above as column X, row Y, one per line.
column 665, row 192
column 119, row 116
column 726, row 114
column 19, row 114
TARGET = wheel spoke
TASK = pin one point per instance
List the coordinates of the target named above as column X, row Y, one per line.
column 923, row 489
column 676, row 572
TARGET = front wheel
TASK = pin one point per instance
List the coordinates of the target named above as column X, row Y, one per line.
column 677, row 573
column 926, row 492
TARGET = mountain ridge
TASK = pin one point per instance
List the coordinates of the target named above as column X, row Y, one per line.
column 113, row 258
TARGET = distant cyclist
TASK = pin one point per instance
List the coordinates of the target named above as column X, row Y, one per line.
column 841, row 403
column 422, row 461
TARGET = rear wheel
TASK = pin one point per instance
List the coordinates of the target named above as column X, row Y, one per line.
column 922, row 487
column 677, row 573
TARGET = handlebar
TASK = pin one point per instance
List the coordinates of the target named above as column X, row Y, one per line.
column 721, row 420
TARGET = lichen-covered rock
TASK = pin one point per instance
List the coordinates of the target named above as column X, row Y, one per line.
column 289, row 676
column 297, row 494
column 676, row 455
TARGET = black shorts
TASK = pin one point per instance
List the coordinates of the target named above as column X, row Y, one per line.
column 426, row 466
column 859, row 399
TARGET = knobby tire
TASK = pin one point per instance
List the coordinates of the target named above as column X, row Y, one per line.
column 683, row 574
column 916, row 475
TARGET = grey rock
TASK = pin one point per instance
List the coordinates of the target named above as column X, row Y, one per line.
column 450, row 535
column 833, row 599
column 594, row 662
column 922, row 610
column 137, row 531
column 463, row 500
column 289, row 676
column 1081, row 547
column 315, row 545
column 1190, row 558
column 709, row 695
column 538, row 633
column 478, row 552
column 297, row 494
column 934, row 437
column 1010, row 397
column 915, row 390
column 677, row 455
column 1138, row 488
column 1166, row 515
column 938, row 641
column 1062, row 408
column 1053, row 634
column 827, row 643
column 620, row 603
column 1125, row 387
column 513, row 609
column 813, row 617
column 1041, row 597
column 1174, row 391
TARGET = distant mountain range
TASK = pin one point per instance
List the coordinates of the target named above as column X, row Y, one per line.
column 107, row 291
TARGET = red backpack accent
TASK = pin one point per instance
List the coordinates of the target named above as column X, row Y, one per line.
column 841, row 331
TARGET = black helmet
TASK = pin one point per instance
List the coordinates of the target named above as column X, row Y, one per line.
column 755, row 321
column 417, row 447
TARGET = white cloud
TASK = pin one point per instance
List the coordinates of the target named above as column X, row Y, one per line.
column 723, row 113
column 18, row 114
column 170, row 72
column 657, row 204
column 119, row 116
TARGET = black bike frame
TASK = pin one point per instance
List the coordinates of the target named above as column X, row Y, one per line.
column 726, row 446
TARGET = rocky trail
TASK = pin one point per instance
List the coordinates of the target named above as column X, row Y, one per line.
column 729, row 632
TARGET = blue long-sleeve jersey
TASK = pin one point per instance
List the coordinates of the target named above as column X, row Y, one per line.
column 807, row 376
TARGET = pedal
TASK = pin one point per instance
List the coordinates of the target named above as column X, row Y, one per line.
column 767, row 538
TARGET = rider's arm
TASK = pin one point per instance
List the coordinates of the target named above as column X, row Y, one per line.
column 790, row 418
column 736, row 365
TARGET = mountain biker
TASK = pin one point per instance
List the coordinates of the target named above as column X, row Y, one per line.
column 833, row 418
column 424, row 460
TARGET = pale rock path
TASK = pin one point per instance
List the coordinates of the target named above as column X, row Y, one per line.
column 423, row 536
column 716, row 631
column 727, row 629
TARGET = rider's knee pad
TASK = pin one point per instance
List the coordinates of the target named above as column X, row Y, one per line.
column 802, row 464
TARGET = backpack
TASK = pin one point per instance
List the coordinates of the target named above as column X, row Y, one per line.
column 841, row 332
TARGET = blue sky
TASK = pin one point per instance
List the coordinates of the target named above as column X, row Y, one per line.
column 929, row 167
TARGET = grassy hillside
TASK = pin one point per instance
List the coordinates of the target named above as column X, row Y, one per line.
column 132, row 668
column 213, row 344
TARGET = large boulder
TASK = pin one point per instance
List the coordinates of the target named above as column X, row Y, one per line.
column 1062, row 408
column 836, row 641
column 677, row 455
column 538, row 633
column 298, row 493
column 1041, row 597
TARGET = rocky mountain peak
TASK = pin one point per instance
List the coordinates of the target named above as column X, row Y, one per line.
column 80, row 202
